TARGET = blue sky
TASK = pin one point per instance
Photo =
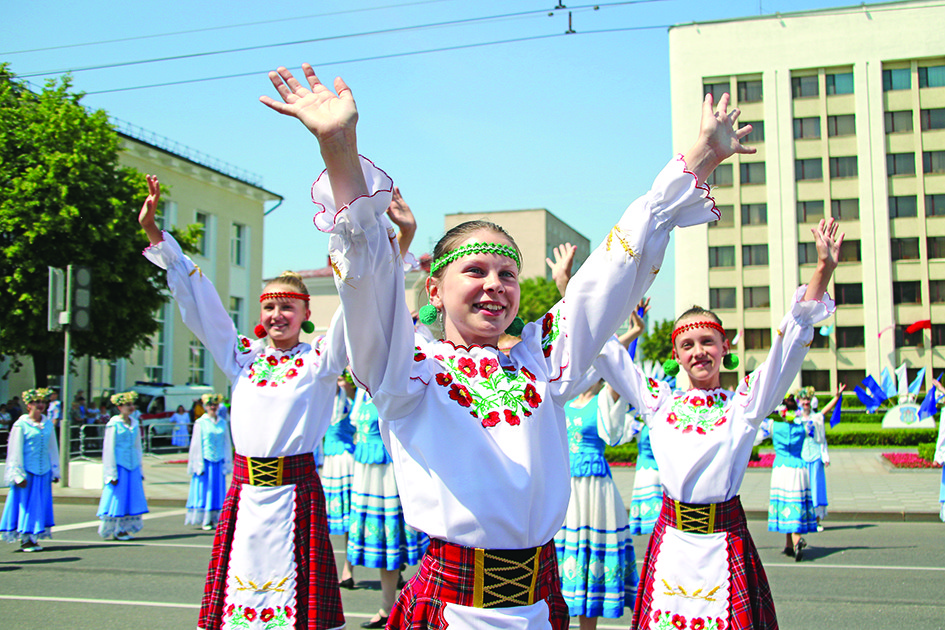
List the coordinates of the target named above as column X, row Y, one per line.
column 578, row 123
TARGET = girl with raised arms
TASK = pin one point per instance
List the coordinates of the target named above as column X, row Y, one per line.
column 477, row 438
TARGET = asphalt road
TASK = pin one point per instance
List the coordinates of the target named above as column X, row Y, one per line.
column 855, row 575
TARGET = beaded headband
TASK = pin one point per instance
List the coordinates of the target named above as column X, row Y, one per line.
column 40, row 394
column 124, row 398
column 699, row 324
column 475, row 248
column 279, row 295
column 212, row 399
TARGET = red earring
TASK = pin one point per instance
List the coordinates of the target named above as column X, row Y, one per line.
column 260, row 331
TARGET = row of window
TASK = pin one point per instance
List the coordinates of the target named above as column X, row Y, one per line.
column 846, row 337
column 905, row 163
column 903, row 121
column 844, row 294
column 901, row 78
column 238, row 233
column 757, row 255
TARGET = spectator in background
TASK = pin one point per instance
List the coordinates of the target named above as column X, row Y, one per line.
column 181, row 434
column 13, row 407
column 54, row 410
column 5, row 418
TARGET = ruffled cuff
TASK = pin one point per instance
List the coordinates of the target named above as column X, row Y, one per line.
column 361, row 213
column 810, row 312
column 165, row 253
column 684, row 200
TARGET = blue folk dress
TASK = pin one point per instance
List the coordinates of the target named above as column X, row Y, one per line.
column 122, row 503
column 814, row 452
column 210, row 461
column 33, row 457
column 378, row 536
column 338, row 468
column 790, row 508
column 647, row 499
column 595, row 553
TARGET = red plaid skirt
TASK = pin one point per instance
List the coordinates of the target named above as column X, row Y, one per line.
column 446, row 576
column 318, row 598
column 750, row 604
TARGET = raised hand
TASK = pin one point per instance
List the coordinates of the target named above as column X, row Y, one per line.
column 719, row 138
column 828, row 242
column 561, row 267
column 146, row 217
column 400, row 214
column 331, row 117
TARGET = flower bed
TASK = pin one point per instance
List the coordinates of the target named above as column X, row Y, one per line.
column 909, row 460
column 764, row 461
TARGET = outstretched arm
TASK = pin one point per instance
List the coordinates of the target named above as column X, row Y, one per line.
column 833, row 401
column 637, row 327
column 400, row 214
column 719, row 138
column 149, row 210
column 561, row 267
column 828, row 254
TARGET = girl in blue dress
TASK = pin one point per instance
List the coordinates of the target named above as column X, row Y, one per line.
column 209, row 462
column 123, row 501
column 338, row 469
column 790, row 507
column 32, row 467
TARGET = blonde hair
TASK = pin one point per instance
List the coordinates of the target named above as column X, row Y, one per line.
column 461, row 232
column 289, row 279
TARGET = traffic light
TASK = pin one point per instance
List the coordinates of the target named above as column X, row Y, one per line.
column 81, row 297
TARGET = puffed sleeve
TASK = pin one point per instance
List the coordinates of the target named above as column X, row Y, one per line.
column 195, row 454
column 763, row 390
column 14, row 472
column 614, row 424
column 109, row 464
column 332, row 347
column 227, row 449
column 365, row 258
column 200, row 306
column 53, row 451
column 628, row 380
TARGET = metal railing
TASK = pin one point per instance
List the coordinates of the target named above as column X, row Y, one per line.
column 157, row 438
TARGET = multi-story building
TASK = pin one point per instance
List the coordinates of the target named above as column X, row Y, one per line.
column 848, row 110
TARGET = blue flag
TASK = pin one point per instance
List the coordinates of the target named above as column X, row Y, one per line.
column 877, row 392
column 633, row 344
column 916, row 383
column 889, row 383
column 928, row 407
column 835, row 417
column 867, row 399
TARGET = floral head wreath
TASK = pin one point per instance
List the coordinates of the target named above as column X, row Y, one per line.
column 39, row 394
column 212, row 399
column 804, row 392
column 428, row 312
column 124, row 398
column 671, row 366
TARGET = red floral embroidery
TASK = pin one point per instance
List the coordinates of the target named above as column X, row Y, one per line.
column 272, row 361
column 283, row 359
column 546, row 324
column 273, row 384
column 709, row 401
column 511, row 418
column 546, row 351
column 679, row 622
column 720, row 623
column 688, row 429
column 266, row 614
column 261, row 383
column 444, row 379
column 231, row 607
column 491, row 420
column 652, row 384
column 720, row 421
column 299, row 362
column 531, row 396
column 468, row 367
column 288, row 612
column 527, row 373
column 292, row 373
column 460, row 394
column 671, row 418
column 695, row 401
column 418, row 355
column 249, row 613
column 438, row 357
column 487, row 366
column 700, row 430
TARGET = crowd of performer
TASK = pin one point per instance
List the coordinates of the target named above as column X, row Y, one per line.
column 482, row 466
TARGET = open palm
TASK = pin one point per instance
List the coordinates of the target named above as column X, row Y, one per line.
column 323, row 112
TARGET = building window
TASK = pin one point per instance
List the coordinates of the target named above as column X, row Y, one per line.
column 749, row 92
column 236, row 312
column 843, row 167
column 898, row 122
column 850, row 251
column 805, row 128
column 757, row 338
column 197, row 363
column 850, row 337
column 932, row 76
column 716, row 90
column 238, row 245
column 723, row 175
column 754, row 214
column 154, row 356
column 932, row 118
column 722, row 298
column 938, row 334
column 753, row 172
column 933, row 162
column 840, row 83
column 904, row 248
column 845, row 209
column 934, row 205
column 806, row 253
column 904, row 206
column 900, row 164
column 726, row 217
column 907, row 292
column 811, row 168
column 204, row 240
column 722, row 256
column 818, row 379
column 937, row 291
column 754, row 255
column 844, row 125
column 757, row 131
column 905, row 340
column 810, row 211
column 897, row 79
column 166, row 211
column 848, row 294
column 804, row 87
column 936, row 246
column 757, row 297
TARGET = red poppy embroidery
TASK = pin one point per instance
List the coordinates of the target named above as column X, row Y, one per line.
column 487, row 367
column 687, row 429
column 709, row 401
column 273, row 384
column 288, row 612
column 697, row 624
column 527, row 373
column 292, row 373
column 230, row 609
column 531, row 396
column 491, row 420
column 261, row 383
column 468, row 367
column 720, row 421
column 299, row 362
column 511, row 418
column 438, row 357
column 272, row 361
column 418, row 355
column 546, row 351
column 444, row 379
column 283, row 359
column 266, row 615
column 546, row 324
column 696, row 401
column 249, row 613
column 656, row 615
column 460, row 394
column 679, row 622
column 720, row 623
column 671, row 418
column 700, row 430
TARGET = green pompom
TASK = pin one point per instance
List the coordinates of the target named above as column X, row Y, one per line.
column 308, row 327
column 671, row 367
column 730, row 361
column 516, row 327
column 427, row 314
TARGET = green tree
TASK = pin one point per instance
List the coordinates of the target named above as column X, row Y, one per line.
column 656, row 345
column 538, row 295
column 64, row 199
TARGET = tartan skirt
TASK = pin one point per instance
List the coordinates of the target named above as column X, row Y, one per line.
column 318, row 598
column 447, row 576
column 750, row 605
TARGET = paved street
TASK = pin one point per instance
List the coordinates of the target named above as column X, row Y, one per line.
column 881, row 560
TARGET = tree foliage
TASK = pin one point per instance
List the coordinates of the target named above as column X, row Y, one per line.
column 65, row 199
column 656, row 345
column 538, row 295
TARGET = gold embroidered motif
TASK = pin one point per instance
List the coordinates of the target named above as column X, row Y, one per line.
column 196, row 269
column 679, row 591
column 780, row 332
column 337, row 270
column 622, row 238
column 249, row 585
column 654, row 270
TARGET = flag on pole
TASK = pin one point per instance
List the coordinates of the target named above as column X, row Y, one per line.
column 916, row 383
column 928, row 407
column 867, row 399
column 876, row 392
column 902, row 380
column 835, row 416
column 889, row 385
column 919, row 325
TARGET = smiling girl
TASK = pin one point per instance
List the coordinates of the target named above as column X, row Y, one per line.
column 272, row 563
column 478, row 438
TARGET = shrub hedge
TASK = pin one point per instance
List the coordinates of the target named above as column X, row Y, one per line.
column 927, row 451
